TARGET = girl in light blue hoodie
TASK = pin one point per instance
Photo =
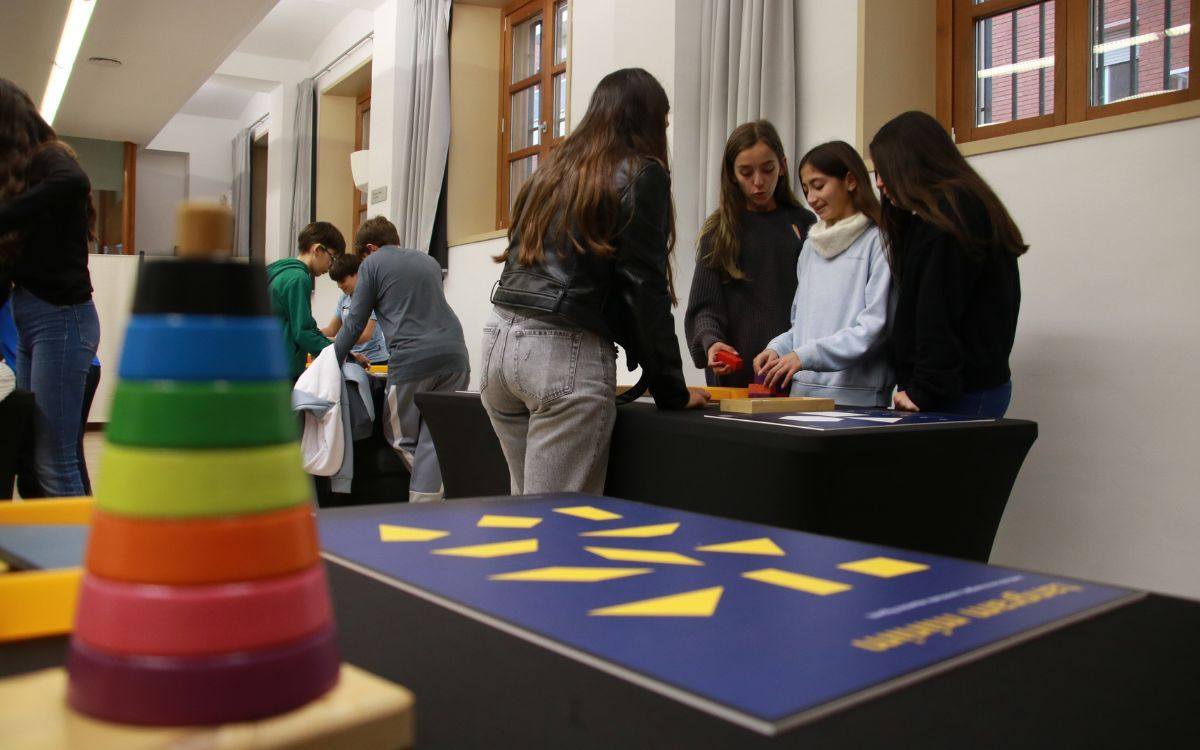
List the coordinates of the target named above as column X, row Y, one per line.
column 835, row 347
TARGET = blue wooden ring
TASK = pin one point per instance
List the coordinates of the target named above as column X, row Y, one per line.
column 203, row 347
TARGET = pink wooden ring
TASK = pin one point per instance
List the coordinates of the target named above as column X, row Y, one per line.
column 157, row 620
column 163, row 691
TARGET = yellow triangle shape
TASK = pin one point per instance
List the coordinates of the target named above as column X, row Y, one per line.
column 699, row 603
column 643, row 556
column 760, row 546
column 391, row 533
column 637, row 532
column 497, row 549
column 508, row 522
column 588, row 512
column 566, row 574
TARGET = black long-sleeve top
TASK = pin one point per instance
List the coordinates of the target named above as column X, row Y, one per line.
column 956, row 317
column 747, row 313
column 51, row 215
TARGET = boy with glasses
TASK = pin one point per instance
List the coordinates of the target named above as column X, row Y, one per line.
column 291, row 283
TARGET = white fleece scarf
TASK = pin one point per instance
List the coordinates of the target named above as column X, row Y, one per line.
column 831, row 241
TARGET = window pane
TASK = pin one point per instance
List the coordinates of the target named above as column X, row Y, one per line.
column 560, row 32
column 519, row 173
column 560, row 105
column 527, row 48
column 366, row 128
column 526, row 125
column 1014, row 65
column 1139, row 48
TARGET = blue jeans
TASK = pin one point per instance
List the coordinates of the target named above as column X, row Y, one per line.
column 549, row 387
column 992, row 402
column 57, row 344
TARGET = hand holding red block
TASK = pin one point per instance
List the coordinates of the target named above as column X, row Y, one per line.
column 729, row 359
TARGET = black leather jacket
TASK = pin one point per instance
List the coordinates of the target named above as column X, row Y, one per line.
column 623, row 295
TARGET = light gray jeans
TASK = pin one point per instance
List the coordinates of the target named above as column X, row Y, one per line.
column 548, row 386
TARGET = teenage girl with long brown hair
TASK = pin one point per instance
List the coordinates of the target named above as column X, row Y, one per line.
column 587, row 265
column 953, row 248
column 745, row 273
column 45, row 223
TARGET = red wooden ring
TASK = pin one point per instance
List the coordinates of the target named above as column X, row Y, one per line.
column 202, row 550
column 152, row 619
column 173, row 691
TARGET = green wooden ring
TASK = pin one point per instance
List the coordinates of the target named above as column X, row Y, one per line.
column 219, row 414
column 170, row 483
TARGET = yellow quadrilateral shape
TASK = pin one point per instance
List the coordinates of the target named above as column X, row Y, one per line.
column 508, row 522
column 390, row 533
column 637, row 532
column 643, row 556
column 796, row 581
column 566, row 574
column 699, row 603
column 883, row 567
column 588, row 512
column 760, row 546
column 498, row 549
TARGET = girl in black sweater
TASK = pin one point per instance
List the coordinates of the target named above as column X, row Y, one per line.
column 953, row 248
column 745, row 274
column 46, row 219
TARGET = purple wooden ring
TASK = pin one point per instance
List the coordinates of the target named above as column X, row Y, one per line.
column 177, row 691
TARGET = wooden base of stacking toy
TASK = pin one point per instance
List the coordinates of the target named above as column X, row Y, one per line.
column 363, row 711
column 776, row 405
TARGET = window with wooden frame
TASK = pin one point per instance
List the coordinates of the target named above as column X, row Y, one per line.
column 533, row 93
column 362, row 140
column 1016, row 65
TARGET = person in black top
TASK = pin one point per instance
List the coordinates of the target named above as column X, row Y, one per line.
column 46, row 220
column 953, row 247
column 587, row 265
column 745, row 274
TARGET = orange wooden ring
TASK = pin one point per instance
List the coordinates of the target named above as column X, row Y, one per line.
column 202, row 550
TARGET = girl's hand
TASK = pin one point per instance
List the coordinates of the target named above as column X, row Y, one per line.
column 697, row 397
column 904, row 403
column 778, row 374
column 764, row 358
column 719, row 367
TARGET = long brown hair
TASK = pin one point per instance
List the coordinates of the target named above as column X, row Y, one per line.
column 925, row 174
column 723, row 228
column 23, row 133
column 838, row 159
column 575, row 187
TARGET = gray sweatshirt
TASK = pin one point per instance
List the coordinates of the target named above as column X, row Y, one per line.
column 404, row 288
column 839, row 324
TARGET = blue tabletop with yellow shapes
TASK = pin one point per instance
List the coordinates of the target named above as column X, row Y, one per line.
column 762, row 626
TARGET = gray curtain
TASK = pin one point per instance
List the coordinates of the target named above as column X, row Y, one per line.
column 425, row 127
column 241, row 193
column 303, row 133
column 748, row 59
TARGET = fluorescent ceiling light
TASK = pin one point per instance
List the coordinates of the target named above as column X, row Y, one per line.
column 1153, row 36
column 78, row 17
column 1018, row 67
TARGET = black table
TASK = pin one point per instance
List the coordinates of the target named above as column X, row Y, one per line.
column 1125, row 678
column 934, row 488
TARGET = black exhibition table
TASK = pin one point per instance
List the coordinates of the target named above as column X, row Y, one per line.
column 1124, row 678
column 935, row 488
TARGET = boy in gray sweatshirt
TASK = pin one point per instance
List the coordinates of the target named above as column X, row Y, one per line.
column 426, row 350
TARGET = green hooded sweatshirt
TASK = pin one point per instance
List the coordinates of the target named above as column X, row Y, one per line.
column 291, row 300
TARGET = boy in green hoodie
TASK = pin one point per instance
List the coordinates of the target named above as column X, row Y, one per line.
column 291, row 282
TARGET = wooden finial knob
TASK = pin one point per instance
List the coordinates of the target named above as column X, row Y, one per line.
column 204, row 230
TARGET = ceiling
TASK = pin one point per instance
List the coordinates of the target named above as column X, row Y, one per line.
column 170, row 50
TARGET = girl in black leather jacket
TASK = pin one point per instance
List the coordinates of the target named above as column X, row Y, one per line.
column 587, row 266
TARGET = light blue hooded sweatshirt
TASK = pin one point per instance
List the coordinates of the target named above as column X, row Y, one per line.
column 840, row 318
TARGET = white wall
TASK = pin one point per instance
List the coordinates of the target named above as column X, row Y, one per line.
column 114, row 278
column 162, row 184
column 1107, row 357
column 209, row 143
column 468, row 288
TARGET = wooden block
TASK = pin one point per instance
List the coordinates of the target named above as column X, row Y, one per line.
column 363, row 711
column 774, row 405
column 719, row 393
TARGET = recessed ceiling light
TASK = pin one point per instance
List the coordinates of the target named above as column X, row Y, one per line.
column 105, row 62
